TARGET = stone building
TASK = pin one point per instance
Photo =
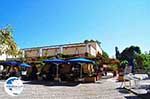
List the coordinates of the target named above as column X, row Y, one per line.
column 78, row 49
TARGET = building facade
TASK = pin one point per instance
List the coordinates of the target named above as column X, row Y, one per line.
column 78, row 49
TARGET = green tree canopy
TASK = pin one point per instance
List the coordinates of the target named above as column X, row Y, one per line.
column 141, row 60
column 8, row 45
column 130, row 53
column 124, row 63
column 145, row 61
column 88, row 41
column 105, row 54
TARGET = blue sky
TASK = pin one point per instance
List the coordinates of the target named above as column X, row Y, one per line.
column 50, row 22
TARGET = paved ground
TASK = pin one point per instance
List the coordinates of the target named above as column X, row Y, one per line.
column 104, row 89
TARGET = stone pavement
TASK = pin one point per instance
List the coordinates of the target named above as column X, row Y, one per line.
column 103, row 89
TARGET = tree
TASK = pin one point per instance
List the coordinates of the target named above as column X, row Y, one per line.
column 8, row 45
column 98, row 42
column 105, row 54
column 102, row 59
column 88, row 41
column 139, row 61
column 117, row 53
column 130, row 53
column 124, row 63
column 145, row 61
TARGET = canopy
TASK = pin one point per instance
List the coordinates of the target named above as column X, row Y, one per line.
column 11, row 63
column 56, row 61
column 80, row 60
column 24, row 65
column 15, row 63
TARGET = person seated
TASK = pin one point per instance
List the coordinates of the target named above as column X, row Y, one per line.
column 13, row 72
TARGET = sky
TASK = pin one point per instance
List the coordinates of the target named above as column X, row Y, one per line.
column 38, row 23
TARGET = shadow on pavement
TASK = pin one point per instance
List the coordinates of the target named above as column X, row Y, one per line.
column 132, row 97
column 123, row 90
column 126, row 92
column 49, row 83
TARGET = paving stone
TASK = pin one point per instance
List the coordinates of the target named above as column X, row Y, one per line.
column 105, row 89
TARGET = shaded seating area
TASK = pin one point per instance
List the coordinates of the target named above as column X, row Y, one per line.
column 77, row 69
column 81, row 64
column 13, row 69
column 54, row 69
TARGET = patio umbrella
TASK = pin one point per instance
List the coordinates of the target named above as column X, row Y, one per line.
column 55, row 61
column 81, row 61
column 11, row 63
column 24, row 65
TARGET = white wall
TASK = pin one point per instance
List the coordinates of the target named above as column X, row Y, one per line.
column 93, row 51
column 93, row 48
column 97, row 47
column 3, row 57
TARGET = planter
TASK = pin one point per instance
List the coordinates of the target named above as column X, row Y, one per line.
column 121, row 78
column 90, row 79
column 98, row 76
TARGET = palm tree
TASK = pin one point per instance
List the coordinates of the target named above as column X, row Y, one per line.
column 7, row 44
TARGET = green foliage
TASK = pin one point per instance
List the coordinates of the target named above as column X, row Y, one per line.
column 130, row 53
column 105, row 55
column 102, row 59
column 142, row 61
column 117, row 53
column 98, row 42
column 124, row 63
column 7, row 42
column 145, row 58
column 139, row 61
column 114, row 67
column 88, row 41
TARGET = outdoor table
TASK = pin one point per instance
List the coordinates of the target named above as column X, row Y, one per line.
column 141, row 76
column 81, row 61
column 56, row 62
column 144, row 83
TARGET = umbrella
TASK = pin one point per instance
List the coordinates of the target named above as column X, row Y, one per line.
column 11, row 63
column 55, row 61
column 15, row 63
column 24, row 65
column 81, row 61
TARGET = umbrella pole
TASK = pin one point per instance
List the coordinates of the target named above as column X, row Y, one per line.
column 80, row 71
column 57, row 71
